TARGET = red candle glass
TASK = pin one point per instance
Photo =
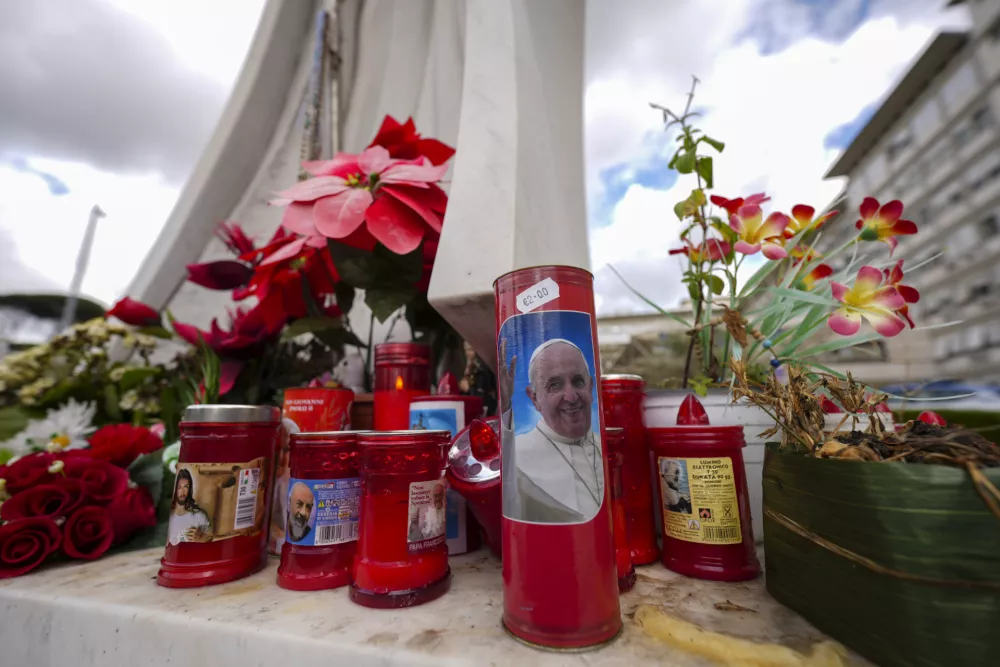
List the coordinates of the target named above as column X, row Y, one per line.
column 323, row 503
column 474, row 472
column 216, row 531
column 702, row 490
column 614, row 446
column 402, row 372
column 402, row 557
column 304, row 410
column 622, row 397
column 560, row 584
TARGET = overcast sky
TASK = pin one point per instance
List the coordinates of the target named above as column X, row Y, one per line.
column 111, row 102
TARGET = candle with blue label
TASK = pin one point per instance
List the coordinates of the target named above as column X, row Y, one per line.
column 450, row 411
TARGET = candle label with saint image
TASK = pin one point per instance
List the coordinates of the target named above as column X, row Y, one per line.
column 426, row 519
column 322, row 511
column 217, row 501
column 699, row 500
column 553, row 466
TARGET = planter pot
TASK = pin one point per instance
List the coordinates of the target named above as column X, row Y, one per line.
column 661, row 411
column 899, row 561
column 363, row 412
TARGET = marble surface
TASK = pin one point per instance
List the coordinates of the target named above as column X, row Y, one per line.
column 111, row 612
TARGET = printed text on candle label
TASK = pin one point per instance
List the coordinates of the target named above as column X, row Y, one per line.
column 537, row 295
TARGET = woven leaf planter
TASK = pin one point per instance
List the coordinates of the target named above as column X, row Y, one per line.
column 899, row 561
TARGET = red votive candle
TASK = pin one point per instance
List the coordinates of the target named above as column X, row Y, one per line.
column 402, row 372
column 622, row 397
column 614, row 444
column 474, row 472
column 560, row 584
column 322, row 520
column 702, row 490
column 216, row 532
column 402, row 557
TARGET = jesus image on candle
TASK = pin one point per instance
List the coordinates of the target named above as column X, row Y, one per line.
column 557, row 475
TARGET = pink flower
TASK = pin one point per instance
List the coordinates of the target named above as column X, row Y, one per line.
column 883, row 223
column 732, row 206
column 364, row 197
column 135, row 313
column 756, row 233
column 893, row 277
column 711, row 250
column 868, row 297
column 803, row 220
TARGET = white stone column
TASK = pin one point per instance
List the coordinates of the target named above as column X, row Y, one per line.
column 517, row 194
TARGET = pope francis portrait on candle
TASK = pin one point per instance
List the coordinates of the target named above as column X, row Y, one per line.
column 557, row 472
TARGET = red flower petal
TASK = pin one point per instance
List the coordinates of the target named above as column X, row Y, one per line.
column 229, row 372
column 429, row 216
column 435, row 151
column 226, row 274
column 286, row 252
column 891, row 211
column 395, row 225
column 337, row 217
column 88, row 533
column 904, row 227
column 135, row 313
column 868, row 208
column 25, row 544
column 417, row 175
column 909, row 294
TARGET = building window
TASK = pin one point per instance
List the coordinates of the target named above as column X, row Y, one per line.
column 927, row 119
column 960, row 86
column 898, row 144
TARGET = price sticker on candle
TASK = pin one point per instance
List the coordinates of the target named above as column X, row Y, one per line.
column 538, row 295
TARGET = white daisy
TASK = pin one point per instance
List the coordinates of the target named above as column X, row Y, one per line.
column 66, row 427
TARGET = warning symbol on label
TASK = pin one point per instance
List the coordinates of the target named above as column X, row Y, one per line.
column 727, row 511
column 705, row 513
column 694, row 524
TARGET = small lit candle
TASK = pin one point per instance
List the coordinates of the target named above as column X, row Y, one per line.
column 402, row 373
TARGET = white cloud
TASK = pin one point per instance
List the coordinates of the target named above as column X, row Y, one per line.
column 773, row 111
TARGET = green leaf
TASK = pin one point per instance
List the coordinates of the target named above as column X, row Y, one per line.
column 715, row 283
column 13, row 420
column 380, row 268
column 704, row 167
column 807, row 297
column 312, row 325
column 111, row 403
column 693, row 292
column 147, row 471
column 685, row 162
column 133, row 377
column 757, row 278
column 673, row 316
column 386, row 301
column 714, row 143
column 345, row 296
column 839, row 344
column 158, row 332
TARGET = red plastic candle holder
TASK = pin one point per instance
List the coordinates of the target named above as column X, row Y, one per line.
column 702, row 490
column 217, row 531
column 560, row 585
column 323, row 506
column 614, row 445
column 402, row 557
column 622, row 397
column 402, row 373
column 474, row 472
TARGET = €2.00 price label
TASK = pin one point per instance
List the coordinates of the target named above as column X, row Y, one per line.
column 538, row 295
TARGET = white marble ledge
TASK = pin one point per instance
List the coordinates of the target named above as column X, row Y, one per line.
column 111, row 612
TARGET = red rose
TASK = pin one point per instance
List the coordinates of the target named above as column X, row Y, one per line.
column 121, row 444
column 25, row 543
column 102, row 481
column 135, row 313
column 88, row 533
column 28, row 471
column 131, row 511
column 57, row 498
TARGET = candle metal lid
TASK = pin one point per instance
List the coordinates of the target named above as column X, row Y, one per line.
column 231, row 414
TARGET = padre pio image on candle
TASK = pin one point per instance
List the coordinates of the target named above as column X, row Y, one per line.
column 553, row 469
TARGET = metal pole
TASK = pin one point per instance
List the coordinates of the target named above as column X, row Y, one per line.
column 69, row 308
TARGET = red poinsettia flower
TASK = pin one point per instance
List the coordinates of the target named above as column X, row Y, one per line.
column 235, row 238
column 394, row 202
column 248, row 334
column 404, row 142
column 135, row 313
column 883, row 223
column 803, row 219
column 910, row 295
column 732, row 206
column 711, row 250
column 225, row 274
